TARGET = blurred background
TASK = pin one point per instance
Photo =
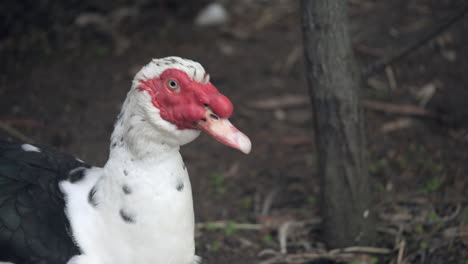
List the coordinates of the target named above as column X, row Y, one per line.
column 66, row 67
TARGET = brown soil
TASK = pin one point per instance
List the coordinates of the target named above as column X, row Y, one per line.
column 63, row 85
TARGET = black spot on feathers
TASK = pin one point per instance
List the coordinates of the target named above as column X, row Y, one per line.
column 125, row 172
column 127, row 217
column 91, row 197
column 76, row 174
column 126, row 189
column 180, row 185
column 172, row 60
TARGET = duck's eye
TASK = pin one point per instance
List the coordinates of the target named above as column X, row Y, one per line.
column 173, row 84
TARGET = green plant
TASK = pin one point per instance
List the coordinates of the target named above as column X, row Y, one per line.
column 267, row 239
column 433, row 217
column 101, row 51
column 218, row 182
column 464, row 214
column 216, row 245
column 210, row 226
column 230, row 228
column 246, row 202
column 432, row 184
column 419, row 229
column 423, row 245
column 401, row 162
column 380, row 187
column 311, row 200
column 378, row 165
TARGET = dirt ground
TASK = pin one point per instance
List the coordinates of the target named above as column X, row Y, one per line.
column 66, row 66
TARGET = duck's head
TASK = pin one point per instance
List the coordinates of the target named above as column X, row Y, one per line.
column 178, row 98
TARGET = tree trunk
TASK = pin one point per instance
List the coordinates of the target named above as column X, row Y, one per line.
column 334, row 90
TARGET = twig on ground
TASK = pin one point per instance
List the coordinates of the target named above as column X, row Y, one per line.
column 15, row 133
column 267, row 252
column 400, row 123
column 343, row 254
column 283, row 237
column 245, row 242
column 280, row 102
column 409, row 110
column 371, row 51
column 293, row 57
column 292, row 100
column 283, row 232
column 381, row 64
column 391, row 78
column 269, row 201
column 368, row 250
column 225, row 224
column 446, row 218
column 297, row 140
column 401, row 251
column 29, row 123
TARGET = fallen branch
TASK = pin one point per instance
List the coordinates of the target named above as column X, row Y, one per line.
column 269, row 201
column 226, row 224
column 294, row 100
column 409, row 110
column 280, row 102
column 343, row 254
column 29, row 123
column 15, row 133
column 368, row 250
column 304, row 257
column 391, row 78
column 401, row 251
column 381, row 64
column 445, row 219
column 400, row 123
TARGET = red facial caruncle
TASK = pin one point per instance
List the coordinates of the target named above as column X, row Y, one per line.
column 189, row 104
column 182, row 101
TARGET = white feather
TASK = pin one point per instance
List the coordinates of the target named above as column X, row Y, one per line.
column 146, row 159
column 29, row 148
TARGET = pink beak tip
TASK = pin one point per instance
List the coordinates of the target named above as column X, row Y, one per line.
column 244, row 144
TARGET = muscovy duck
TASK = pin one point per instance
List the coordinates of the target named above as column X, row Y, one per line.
column 138, row 208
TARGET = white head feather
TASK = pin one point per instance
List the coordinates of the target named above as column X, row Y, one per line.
column 157, row 66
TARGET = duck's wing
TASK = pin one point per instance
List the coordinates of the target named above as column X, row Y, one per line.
column 33, row 224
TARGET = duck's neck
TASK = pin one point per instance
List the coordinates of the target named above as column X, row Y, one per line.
column 137, row 139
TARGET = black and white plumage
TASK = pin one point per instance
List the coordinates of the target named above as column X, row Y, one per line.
column 33, row 226
column 136, row 209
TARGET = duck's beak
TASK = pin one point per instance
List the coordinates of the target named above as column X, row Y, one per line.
column 223, row 131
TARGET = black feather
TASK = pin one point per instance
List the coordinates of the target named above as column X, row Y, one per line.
column 92, row 197
column 33, row 225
